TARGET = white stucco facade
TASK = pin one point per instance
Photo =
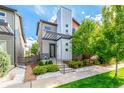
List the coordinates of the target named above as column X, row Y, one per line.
column 62, row 26
column 64, row 46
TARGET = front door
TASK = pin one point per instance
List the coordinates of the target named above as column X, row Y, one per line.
column 52, row 50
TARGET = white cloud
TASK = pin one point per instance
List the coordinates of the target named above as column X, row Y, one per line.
column 82, row 12
column 30, row 41
column 53, row 18
column 87, row 17
column 39, row 10
column 97, row 18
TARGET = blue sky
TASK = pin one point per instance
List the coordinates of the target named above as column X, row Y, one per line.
column 32, row 14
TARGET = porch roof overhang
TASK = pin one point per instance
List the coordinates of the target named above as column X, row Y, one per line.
column 6, row 29
column 47, row 35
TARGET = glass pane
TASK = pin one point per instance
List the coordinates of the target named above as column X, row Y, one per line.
column 2, row 14
column 47, row 28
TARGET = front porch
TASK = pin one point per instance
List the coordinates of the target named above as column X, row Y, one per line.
column 53, row 48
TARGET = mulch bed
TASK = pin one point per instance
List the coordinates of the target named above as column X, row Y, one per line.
column 29, row 76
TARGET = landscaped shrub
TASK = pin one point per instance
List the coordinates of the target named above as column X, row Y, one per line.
column 46, row 62
column 50, row 62
column 4, row 63
column 85, row 62
column 52, row 68
column 96, row 62
column 40, row 63
column 111, row 61
column 75, row 64
column 39, row 70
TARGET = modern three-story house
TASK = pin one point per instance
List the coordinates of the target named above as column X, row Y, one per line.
column 55, row 38
column 12, row 38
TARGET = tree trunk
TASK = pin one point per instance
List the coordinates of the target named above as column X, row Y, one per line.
column 116, row 69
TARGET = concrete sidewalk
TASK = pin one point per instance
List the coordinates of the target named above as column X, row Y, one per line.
column 66, row 78
column 15, row 76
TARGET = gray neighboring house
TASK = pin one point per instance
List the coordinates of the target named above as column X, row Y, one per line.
column 12, row 38
column 55, row 38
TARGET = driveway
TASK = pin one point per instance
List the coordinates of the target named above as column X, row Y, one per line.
column 66, row 78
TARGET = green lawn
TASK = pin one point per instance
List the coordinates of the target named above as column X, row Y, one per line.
column 105, row 80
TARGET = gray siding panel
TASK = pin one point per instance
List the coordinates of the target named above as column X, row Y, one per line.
column 10, row 45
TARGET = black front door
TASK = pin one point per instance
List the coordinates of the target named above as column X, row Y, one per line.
column 52, row 50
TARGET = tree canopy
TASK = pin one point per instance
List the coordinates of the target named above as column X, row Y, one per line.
column 106, row 40
column 34, row 48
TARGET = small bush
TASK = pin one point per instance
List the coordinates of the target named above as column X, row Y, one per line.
column 4, row 63
column 46, row 63
column 52, row 68
column 111, row 61
column 85, row 62
column 40, row 63
column 50, row 62
column 96, row 62
column 75, row 64
column 39, row 70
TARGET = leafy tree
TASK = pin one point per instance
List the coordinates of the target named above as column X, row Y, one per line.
column 113, row 28
column 81, row 37
column 107, row 40
column 34, row 49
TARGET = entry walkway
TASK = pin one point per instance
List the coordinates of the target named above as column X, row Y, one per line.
column 66, row 78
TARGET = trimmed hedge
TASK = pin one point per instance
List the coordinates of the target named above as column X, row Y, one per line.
column 75, row 64
column 48, row 62
column 40, row 63
column 4, row 63
column 52, row 68
column 38, row 70
column 79, row 64
column 96, row 63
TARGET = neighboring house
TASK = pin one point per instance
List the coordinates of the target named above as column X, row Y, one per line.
column 55, row 38
column 75, row 25
column 12, row 39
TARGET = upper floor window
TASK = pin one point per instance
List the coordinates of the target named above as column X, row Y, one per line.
column 66, row 25
column 66, row 49
column 67, row 30
column 66, row 44
column 47, row 28
column 2, row 16
column 73, row 30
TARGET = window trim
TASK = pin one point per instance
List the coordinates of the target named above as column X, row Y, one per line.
column 5, row 45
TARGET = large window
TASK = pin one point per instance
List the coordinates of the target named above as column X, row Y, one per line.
column 3, row 45
column 2, row 16
column 47, row 28
column 73, row 30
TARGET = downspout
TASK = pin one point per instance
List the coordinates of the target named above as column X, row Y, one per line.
column 15, row 63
